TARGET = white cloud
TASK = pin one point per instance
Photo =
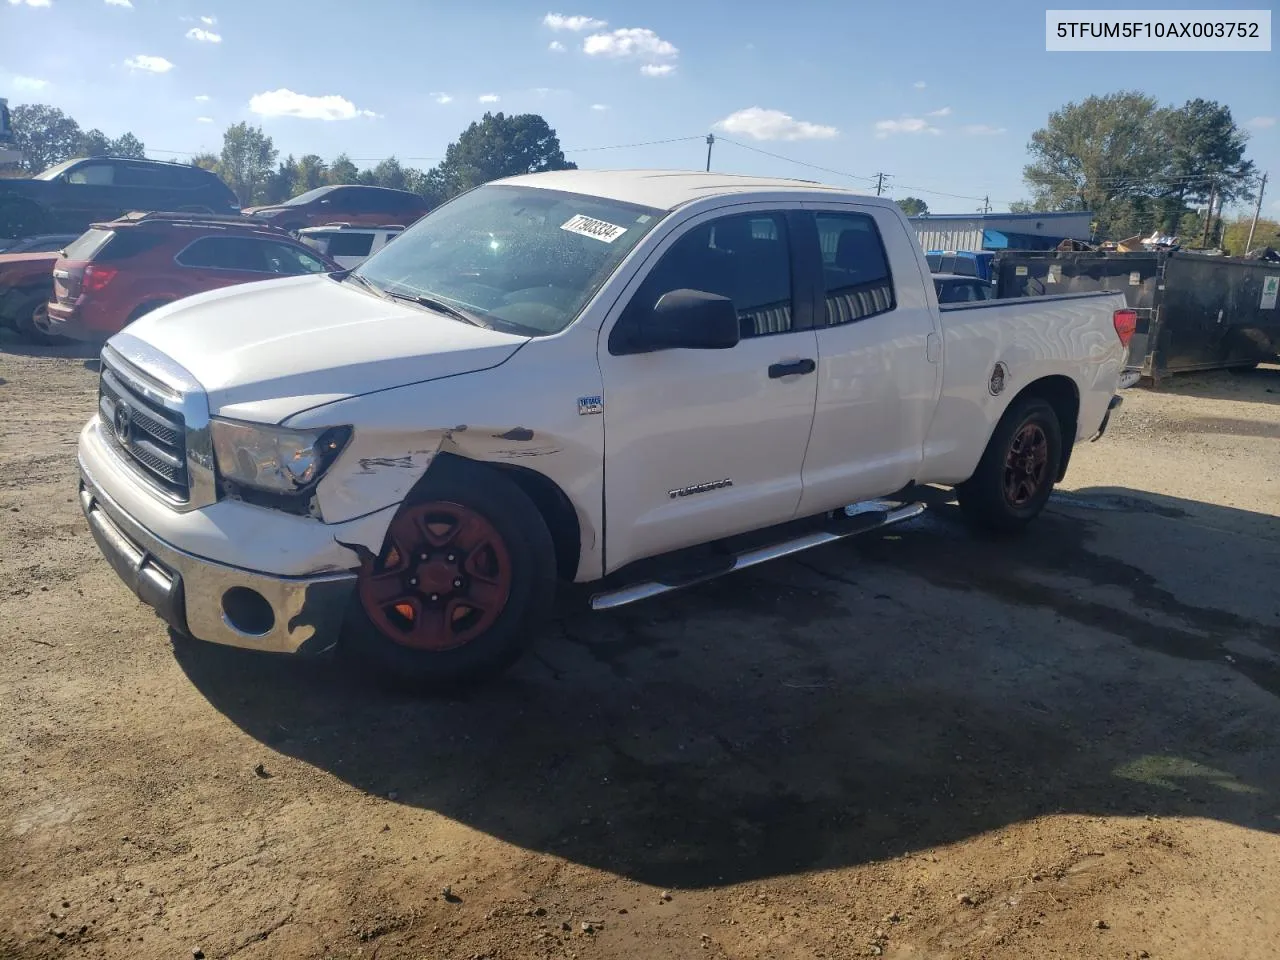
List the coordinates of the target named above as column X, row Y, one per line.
column 629, row 42
column 31, row 3
column 207, row 21
column 488, row 98
column 919, row 84
column 555, row 46
column 204, row 36
column 120, row 3
column 658, row 69
column 204, row 119
column 983, row 130
column 28, row 84
column 202, row 98
column 442, row 98
column 941, row 112
column 558, row 21
column 885, row 128
column 1261, row 123
column 761, row 124
column 286, row 103
column 599, row 106
column 149, row 64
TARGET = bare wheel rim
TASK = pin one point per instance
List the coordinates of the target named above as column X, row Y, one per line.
column 40, row 318
column 442, row 580
column 1027, row 465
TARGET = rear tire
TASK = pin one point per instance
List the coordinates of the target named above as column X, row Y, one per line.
column 465, row 612
column 31, row 322
column 1018, row 469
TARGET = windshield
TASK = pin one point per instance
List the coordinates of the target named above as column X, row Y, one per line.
column 523, row 257
column 307, row 197
column 53, row 171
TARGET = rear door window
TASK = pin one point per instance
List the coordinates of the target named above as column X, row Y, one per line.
column 93, row 175
column 855, row 270
column 224, row 253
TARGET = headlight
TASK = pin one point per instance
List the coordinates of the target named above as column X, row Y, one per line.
column 275, row 459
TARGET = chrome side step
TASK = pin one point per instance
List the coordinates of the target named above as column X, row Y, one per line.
column 886, row 517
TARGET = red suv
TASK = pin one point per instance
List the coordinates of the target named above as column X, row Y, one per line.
column 358, row 206
column 120, row 270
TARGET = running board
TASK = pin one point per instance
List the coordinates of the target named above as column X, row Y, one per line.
column 875, row 516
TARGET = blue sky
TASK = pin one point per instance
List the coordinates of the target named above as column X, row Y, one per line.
column 942, row 96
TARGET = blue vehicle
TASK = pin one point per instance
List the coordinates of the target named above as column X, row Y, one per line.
column 965, row 263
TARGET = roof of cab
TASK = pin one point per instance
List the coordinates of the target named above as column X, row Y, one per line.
column 668, row 189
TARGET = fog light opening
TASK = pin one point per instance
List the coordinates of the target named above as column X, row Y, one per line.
column 248, row 611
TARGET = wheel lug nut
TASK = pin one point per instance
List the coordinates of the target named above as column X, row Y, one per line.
column 413, row 581
column 451, row 558
column 435, row 596
column 457, row 583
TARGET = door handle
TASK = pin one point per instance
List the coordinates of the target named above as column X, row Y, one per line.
column 791, row 368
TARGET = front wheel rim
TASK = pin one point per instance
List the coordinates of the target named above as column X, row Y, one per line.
column 442, row 580
column 1026, row 465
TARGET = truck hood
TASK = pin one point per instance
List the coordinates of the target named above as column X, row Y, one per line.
column 264, row 351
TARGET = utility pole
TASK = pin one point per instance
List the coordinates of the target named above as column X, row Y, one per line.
column 880, row 183
column 1256, row 212
column 1208, row 216
column 711, row 139
column 986, row 204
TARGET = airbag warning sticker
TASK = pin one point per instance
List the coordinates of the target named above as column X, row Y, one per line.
column 591, row 227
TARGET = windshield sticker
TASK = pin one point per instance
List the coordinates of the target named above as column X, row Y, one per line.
column 596, row 229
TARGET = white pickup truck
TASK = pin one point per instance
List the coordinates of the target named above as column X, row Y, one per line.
column 640, row 379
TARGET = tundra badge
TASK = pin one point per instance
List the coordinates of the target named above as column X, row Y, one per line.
column 590, row 405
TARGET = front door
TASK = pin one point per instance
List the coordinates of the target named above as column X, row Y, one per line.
column 879, row 359
column 700, row 444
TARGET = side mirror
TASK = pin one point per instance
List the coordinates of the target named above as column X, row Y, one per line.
column 689, row 320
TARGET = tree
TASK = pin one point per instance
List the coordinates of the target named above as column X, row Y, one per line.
column 501, row 146
column 206, row 161
column 1097, row 155
column 913, row 206
column 1205, row 159
column 44, row 134
column 310, row 172
column 247, row 158
column 389, row 173
column 93, row 143
column 1236, row 235
column 280, row 185
column 342, row 170
column 127, row 145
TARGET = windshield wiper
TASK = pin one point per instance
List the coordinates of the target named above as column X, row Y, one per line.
column 440, row 306
column 367, row 284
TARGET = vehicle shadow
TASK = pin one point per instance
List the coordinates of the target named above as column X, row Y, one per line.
column 1261, row 385
column 12, row 343
column 863, row 700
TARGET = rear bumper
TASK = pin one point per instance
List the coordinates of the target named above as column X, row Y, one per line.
column 68, row 320
column 190, row 593
column 1115, row 403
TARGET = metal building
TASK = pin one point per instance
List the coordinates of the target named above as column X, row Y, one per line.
column 1001, row 231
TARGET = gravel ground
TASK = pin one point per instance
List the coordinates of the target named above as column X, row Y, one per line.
column 922, row 745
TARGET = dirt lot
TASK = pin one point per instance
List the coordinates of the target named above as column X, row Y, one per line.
column 919, row 746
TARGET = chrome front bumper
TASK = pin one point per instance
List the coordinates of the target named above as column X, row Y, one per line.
column 188, row 592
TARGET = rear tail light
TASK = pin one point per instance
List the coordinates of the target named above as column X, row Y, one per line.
column 96, row 278
column 1126, row 324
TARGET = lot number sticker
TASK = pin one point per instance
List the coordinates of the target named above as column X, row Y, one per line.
column 1270, row 288
column 586, row 226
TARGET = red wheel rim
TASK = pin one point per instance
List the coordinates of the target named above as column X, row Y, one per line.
column 443, row 578
column 1027, row 465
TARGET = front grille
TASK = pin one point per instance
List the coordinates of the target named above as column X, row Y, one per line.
column 146, row 433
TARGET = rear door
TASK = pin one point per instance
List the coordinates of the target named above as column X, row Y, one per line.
column 88, row 192
column 879, row 353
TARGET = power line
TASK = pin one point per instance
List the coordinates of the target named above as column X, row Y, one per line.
column 778, row 156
